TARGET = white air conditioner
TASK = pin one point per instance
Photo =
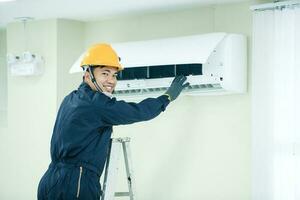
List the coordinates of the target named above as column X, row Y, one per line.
column 214, row 63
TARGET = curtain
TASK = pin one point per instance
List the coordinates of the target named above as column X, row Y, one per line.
column 275, row 88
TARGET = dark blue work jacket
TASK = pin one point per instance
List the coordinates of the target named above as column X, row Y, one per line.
column 84, row 125
column 81, row 138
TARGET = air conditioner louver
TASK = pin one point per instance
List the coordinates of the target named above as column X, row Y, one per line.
column 161, row 90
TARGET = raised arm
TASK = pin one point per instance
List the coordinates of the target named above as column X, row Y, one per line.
column 115, row 112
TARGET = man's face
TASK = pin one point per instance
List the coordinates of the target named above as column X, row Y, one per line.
column 106, row 78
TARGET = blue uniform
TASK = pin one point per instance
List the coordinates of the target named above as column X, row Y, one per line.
column 81, row 138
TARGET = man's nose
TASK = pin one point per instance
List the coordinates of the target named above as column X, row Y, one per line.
column 111, row 79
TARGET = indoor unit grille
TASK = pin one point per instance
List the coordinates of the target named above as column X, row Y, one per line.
column 191, row 88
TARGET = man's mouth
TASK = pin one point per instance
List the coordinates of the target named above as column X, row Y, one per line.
column 109, row 88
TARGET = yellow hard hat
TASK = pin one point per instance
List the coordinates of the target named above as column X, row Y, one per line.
column 101, row 54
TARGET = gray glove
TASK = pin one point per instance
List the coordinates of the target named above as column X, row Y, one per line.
column 176, row 87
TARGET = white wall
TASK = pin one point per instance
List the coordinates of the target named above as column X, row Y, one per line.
column 3, row 79
column 151, row 26
column 33, row 103
column 200, row 147
column 31, row 112
column 3, row 92
column 70, row 42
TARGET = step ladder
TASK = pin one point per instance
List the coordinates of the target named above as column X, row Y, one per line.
column 112, row 167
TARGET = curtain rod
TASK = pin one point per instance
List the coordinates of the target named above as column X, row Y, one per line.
column 275, row 5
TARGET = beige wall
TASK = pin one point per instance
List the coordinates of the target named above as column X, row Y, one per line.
column 151, row 26
column 3, row 79
column 198, row 149
column 33, row 103
column 70, row 42
column 3, row 92
column 31, row 112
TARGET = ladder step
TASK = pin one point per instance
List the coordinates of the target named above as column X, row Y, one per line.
column 121, row 194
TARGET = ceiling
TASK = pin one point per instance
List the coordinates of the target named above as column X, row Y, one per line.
column 88, row 10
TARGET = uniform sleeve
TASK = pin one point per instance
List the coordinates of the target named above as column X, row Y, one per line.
column 113, row 112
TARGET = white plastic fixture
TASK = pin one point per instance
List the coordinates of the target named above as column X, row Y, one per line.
column 214, row 63
column 27, row 64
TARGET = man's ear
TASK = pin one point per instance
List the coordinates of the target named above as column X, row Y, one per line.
column 86, row 76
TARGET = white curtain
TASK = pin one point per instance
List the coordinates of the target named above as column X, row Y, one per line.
column 276, row 105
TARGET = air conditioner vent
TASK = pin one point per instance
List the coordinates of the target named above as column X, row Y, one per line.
column 191, row 88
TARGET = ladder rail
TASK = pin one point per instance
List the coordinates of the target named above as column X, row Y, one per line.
column 111, row 169
column 129, row 170
column 106, row 172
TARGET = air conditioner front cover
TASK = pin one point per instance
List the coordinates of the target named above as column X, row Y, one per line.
column 177, row 50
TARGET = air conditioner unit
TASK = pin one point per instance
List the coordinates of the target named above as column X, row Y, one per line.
column 214, row 63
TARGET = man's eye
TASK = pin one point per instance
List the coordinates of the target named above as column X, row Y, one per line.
column 105, row 74
column 115, row 75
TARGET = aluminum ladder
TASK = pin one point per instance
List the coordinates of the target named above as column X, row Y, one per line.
column 112, row 167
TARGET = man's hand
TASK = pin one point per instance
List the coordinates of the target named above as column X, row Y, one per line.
column 176, row 87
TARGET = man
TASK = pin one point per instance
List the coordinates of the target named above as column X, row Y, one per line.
column 84, row 123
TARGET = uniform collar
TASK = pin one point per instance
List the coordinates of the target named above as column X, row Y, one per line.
column 86, row 87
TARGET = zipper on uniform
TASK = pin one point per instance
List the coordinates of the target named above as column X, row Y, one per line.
column 79, row 180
